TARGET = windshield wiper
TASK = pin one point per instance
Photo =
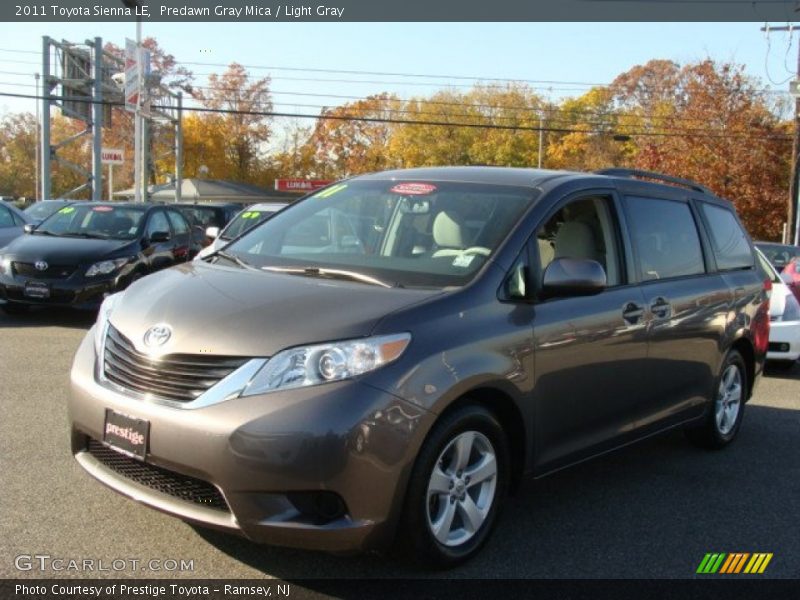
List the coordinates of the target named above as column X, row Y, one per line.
column 332, row 274
column 234, row 259
column 87, row 235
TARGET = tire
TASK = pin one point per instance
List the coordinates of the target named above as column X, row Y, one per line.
column 427, row 511
column 727, row 408
column 14, row 308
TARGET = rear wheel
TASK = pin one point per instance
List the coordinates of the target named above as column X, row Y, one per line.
column 14, row 308
column 725, row 418
column 456, row 489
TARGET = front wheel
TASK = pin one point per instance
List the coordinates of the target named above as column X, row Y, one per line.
column 456, row 489
column 725, row 418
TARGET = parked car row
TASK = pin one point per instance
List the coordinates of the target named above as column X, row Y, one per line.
column 79, row 252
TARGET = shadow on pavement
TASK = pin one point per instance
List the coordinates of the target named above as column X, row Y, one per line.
column 782, row 372
column 647, row 511
column 50, row 317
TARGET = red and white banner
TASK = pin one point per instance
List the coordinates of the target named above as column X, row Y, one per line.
column 300, row 185
column 112, row 156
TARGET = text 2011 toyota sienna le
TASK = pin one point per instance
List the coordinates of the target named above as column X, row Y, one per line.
column 384, row 360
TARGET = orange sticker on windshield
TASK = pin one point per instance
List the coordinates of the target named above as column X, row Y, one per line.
column 413, row 189
column 102, row 208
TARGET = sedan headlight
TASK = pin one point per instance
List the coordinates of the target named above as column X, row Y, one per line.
column 105, row 267
column 313, row 365
column 101, row 326
column 4, row 264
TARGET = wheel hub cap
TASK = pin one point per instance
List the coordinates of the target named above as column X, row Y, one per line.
column 461, row 488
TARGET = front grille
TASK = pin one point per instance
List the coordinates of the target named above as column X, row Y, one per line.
column 183, row 487
column 180, row 377
column 51, row 272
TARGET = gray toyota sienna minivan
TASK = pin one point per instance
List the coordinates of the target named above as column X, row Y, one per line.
column 383, row 361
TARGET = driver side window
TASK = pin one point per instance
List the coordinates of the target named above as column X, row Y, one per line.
column 584, row 229
column 158, row 222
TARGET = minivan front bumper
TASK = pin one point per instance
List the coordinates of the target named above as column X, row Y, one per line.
column 321, row 467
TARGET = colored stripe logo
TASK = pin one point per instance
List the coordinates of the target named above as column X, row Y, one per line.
column 734, row 563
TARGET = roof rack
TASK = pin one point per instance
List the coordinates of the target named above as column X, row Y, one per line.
column 616, row 172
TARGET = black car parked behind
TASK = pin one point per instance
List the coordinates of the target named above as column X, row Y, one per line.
column 87, row 250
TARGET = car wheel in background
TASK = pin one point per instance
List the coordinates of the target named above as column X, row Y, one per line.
column 727, row 409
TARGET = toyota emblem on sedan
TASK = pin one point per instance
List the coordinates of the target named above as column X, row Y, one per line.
column 41, row 265
column 157, row 335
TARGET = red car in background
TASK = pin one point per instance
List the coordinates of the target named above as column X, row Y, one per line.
column 791, row 275
column 786, row 260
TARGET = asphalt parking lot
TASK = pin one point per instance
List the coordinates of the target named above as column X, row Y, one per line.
column 649, row 511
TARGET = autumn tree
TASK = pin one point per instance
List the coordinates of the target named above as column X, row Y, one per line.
column 232, row 135
column 709, row 122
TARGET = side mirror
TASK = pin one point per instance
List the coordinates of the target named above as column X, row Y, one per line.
column 159, row 236
column 573, row 277
column 212, row 232
column 28, row 227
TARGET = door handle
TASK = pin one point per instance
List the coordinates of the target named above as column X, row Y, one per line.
column 661, row 308
column 632, row 312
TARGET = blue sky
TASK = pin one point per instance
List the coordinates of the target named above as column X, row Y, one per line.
column 581, row 52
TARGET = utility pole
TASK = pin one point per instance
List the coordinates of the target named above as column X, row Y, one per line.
column 97, row 120
column 37, row 192
column 792, row 212
column 47, row 88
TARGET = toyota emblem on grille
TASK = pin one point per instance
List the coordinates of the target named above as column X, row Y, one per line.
column 41, row 265
column 157, row 335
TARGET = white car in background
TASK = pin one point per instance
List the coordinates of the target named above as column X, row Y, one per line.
column 784, row 316
column 244, row 221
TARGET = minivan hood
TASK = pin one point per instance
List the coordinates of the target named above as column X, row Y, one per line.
column 231, row 311
column 62, row 250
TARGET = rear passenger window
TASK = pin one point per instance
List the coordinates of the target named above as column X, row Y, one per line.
column 731, row 248
column 666, row 238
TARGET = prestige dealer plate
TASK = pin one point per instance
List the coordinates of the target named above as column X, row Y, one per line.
column 127, row 434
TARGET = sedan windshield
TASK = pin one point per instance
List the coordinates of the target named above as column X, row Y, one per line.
column 779, row 254
column 41, row 210
column 243, row 221
column 102, row 221
column 412, row 234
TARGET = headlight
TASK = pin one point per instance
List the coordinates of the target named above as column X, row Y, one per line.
column 312, row 365
column 106, row 308
column 3, row 264
column 104, row 267
column 791, row 310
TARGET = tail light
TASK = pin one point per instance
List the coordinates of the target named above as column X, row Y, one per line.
column 760, row 328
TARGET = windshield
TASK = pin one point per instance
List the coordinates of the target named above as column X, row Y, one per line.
column 41, row 210
column 204, row 216
column 243, row 221
column 779, row 254
column 95, row 221
column 420, row 234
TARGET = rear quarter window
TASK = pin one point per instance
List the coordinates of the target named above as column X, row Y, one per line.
column 728, row 239
column 665, row 237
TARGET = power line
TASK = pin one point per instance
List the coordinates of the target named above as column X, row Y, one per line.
column 616, row 117
column 541, row 109
column 417, row 122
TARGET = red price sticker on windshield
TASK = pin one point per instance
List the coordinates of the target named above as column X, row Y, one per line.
column 102, row 208
column 413, row 189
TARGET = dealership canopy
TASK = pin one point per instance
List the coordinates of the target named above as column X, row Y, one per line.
column 211, row 190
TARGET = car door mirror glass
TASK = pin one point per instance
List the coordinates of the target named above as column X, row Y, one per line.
column 212, row 232
column 573, row 277
column 28, row 227
column 159, row 236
